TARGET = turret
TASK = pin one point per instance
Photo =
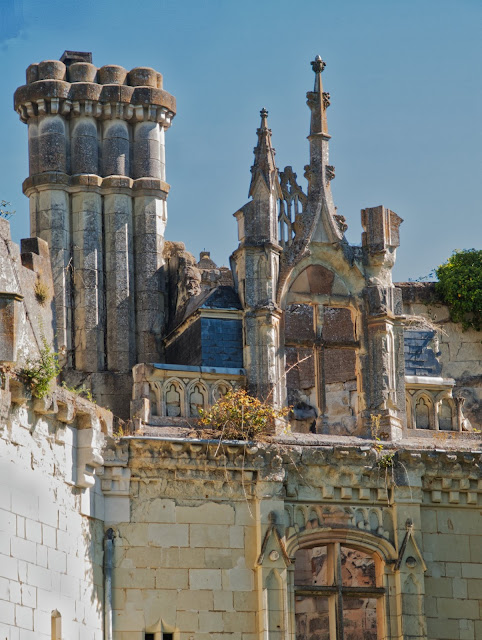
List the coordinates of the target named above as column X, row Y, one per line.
column 97, row 195
column 256, row 270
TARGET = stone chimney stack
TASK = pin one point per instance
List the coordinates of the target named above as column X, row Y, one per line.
column 97, row 195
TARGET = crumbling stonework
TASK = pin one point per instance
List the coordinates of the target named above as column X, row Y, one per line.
column 357, row 517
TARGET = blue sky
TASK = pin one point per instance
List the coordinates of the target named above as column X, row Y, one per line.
column 406, row 102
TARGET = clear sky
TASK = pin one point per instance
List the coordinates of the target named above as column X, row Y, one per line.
column 406, row 103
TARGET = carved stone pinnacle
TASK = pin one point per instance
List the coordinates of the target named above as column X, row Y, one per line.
column 318, row 64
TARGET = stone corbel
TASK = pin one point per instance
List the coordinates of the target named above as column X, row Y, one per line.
column 46, row 405
column 115, row 483
column 90, row 442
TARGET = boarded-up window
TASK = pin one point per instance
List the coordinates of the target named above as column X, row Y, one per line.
column 336, row 594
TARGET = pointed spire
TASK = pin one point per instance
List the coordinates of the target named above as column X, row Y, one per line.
column 317, row 100
column 319, row 173
column 264, row 164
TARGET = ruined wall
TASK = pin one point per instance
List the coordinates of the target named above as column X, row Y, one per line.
column 26, row 317
column 208, row 536
column 51, row 512
column 459, row 352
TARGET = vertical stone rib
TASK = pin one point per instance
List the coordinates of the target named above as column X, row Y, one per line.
column 147, row 150
column 84, row 146
column 53, row 226
column 119, row 260
column 150, row 216
column 52, row 144
column 115, row 148
column 88, row 280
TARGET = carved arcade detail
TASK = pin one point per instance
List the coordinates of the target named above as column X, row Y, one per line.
column 291, row 208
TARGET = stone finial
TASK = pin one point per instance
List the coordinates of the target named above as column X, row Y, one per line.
column 264, row 163
column 318, row 100
column 318, row 64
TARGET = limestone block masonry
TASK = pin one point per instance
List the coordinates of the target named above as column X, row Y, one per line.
column 51, row 516
column 97, row 195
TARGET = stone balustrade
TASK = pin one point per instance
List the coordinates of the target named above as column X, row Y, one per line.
column 168, row 394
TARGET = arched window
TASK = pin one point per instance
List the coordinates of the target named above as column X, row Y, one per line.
column 56, row 625
column 339, row 594
column 321, row 360
column 422, row 413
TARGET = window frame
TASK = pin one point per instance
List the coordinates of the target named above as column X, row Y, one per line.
column 336, row 591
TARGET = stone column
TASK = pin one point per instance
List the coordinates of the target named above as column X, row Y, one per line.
column 383, row 378
column 119, row 277
column 150, row 217
column 84, row 146
column 96, row 144
column 88, row 270
column 410, row 567
column 50, row 213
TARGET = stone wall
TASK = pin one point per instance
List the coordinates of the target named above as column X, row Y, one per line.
column 207, row 538
column 453, row 582
column 460, row 352
column 51, row 513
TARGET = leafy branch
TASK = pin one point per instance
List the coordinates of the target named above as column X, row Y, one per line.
column 41, row 372
column 460, row 286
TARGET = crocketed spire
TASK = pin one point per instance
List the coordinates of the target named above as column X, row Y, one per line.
column 264, row 164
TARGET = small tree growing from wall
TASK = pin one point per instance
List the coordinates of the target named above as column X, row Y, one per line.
column 239, row 416
column 460, row 287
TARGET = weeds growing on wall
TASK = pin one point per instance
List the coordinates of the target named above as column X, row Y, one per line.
column 41, row 292
column 239, row 416
column 460, row 286
column 81, row 391
column 41, row 372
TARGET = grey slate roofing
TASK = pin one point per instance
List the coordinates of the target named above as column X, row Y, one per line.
column 420, row 358
column 222, row 297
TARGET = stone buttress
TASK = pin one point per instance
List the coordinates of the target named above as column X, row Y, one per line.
column 97, row 195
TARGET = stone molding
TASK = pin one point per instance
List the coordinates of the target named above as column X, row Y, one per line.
column 93, row 182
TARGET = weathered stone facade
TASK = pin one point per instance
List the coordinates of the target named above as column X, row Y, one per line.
column 360, row 517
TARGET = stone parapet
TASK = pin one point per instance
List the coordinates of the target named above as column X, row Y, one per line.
column 108, row 92
column 173, row 394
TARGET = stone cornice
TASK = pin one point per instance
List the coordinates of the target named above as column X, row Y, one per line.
column 92, row 182
column 136, row 104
